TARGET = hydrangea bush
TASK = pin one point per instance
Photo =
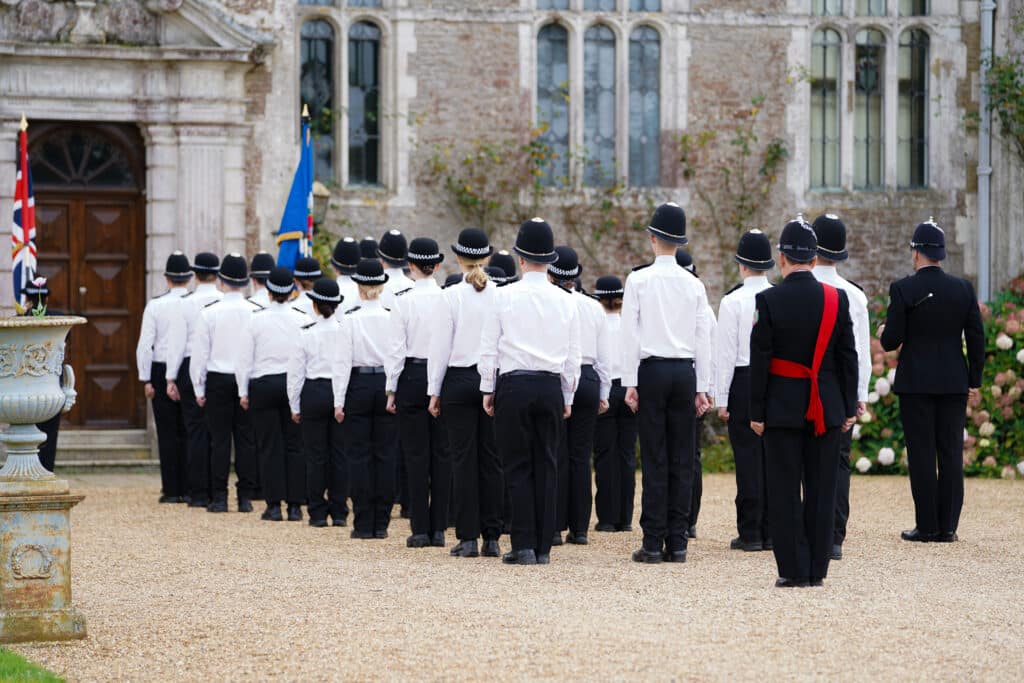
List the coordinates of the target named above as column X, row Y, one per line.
column 994, row 437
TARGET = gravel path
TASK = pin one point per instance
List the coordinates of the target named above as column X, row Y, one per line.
column 177, row 594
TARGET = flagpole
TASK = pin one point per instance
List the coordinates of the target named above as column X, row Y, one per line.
column 307, row 242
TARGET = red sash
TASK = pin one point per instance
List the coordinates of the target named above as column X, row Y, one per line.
column 787, row 368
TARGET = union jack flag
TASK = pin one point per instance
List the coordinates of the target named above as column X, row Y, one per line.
column 23, row 229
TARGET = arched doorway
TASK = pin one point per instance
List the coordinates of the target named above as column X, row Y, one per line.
column 89, row 184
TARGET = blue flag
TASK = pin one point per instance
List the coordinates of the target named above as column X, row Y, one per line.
column 295, row 236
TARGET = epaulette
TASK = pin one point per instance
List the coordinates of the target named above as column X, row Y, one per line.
column 856, row 285
column 160, row 296
column 215, row 301
column 299, row 310
column 734, row 288
column 259, row 310
column 386, row 309
column 407, row 289
column 306, row 327
column 636, row 268
column 353, row 309
column 189, row 294
column 259, row 307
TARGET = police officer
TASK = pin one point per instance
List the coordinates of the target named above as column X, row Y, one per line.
column 368, row 248
column 930, row 314
column 504, row 260
column 414, row 316
column 259, row 271
column 159, row 316
column 732, row 389
column 533, row 336
column 453, row 382
column 392, row 252
column 36, row 293
column 307, row 272
column 345, row 260
column 589, row 401
column 616, row 430
column 832, row 250
column 667, row 372
column 264, row 349
column 803, row 387
column 179, row 380
column 214, row 356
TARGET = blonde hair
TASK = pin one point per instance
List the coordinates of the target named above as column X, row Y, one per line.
column 370, row 292
column 474, row 272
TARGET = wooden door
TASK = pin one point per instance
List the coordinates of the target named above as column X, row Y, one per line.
column 90, row 236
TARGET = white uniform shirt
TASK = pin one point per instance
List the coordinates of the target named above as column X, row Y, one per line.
column 665, row 313
column 367, row 333
column 261, row 297
column 732, row 335
column 861, row 327
column 215, row 343
column 455, row 341
column 266, row 346
column 594, row 347
column 414, row 319
column 324, row 345
column 304, row 304
column 533, row 326
column 613, row 327
column 160, row 315
column 349, row 293
column 398, row 281
column 179, row 342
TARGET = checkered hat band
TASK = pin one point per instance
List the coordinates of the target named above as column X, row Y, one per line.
column 278, row 289
column 307, row 274
column 564, row 273
column 606, row 292
column 369, row 279
column 413, row 256
column 471, row 251
column 321, row 297
column 915, row 245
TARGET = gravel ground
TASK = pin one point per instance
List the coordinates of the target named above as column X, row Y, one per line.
column 177, row 594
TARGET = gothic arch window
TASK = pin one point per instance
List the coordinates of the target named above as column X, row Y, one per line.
column 553, row 100
column 316, row 77
column 364, row 111
column 644, row 107
column 599, row 105
column 869, row 110
column 79, row 156
column 912, row 135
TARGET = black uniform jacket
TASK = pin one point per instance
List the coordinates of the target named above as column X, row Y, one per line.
column 931, row 314
column 788, row 318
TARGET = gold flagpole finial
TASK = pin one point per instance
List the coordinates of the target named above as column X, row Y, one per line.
column 305, row 111
column 24, row 122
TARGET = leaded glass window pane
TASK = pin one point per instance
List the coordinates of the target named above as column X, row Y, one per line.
column 644, row 107
column 364, row 104
column 552, row 4
column 599, row 5
column 825, row 75
column 599, row 106
column 316, row 78
column 912, row 131
column 322, row 3
column 364, row 3
column 553, row 101
column 871, row 8
column 868, row 126
column 914, row 8
column 827, row 8
column 644, row 5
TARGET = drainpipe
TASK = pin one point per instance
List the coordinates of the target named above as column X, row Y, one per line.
column 988, row 8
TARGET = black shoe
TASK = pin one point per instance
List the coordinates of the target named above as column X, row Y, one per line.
column 272, row 513
column 218, row 504
column 520, row 557
column 317, row 523
column 361, row 535
column 576, row 538
column 946, row 537
column 437, row 539
column 544, row 559
column 465, row 549
column 403, row 512
column 837, row 552
column 169, row 499
column 782, row 582
column 917, row 536
column 767, row 545
column 674, row 556
column 380, row 533
column 692, row 531
column 557, row 538
column 491, row 548
column 624, row 527
column 417, row 541
column 746, row 546
column 646, row 556
column 339, row 521
column 605, row 527
column 198, row 502
column 244, row 505
column 816, row 582
column 294, row 513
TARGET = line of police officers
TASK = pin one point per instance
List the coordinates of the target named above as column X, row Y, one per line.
column 483, row 400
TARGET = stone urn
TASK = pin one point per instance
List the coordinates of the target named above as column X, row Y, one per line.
column 35, row 506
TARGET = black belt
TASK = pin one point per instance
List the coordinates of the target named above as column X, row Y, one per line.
column 463, row 367
column 616, row 382
column 530, row 373
column 368, row 370
column 741, row 370
column 415, row 361
column 659, row 359
column 587, row 366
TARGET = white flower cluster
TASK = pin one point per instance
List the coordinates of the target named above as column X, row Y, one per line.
column 965, row 435
column 873, row 396
column 886, row 456
column 856, row 432
column 863, row 465
column 987, row 429
column 1020, row 467
column 1004, row 343
column 882, row 386
column 1020, row 356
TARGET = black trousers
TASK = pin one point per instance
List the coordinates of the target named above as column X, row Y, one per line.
column 801, row 529
column 527, row 420
column 615, row 461
column 170, row 435
column 748, row 451
column 427, row 464
column 197, row 436
column 697, row 488
column 933, row 425
column 278, row 441
column 324, row 448
column 575, row 496
column 48, row 449
column 479, row 483
column 228, row 425
column 667, row 420
column 371, row 449
column 843, row 487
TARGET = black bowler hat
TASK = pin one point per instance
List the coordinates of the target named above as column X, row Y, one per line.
column 496, row 275
column 393, row 248
column 424, row 251
column 326, row 290
column 36, row 287
column 608, row 287
column 368, row 248
column 346, row 256
column 280, row 280
column 307, row 268
column 177, row 268
column 261, row 264
column 504, row 260
column 930, row 240
column 831, row 237
column 798, row 242
column 453, row 279
column 567, row 267
column 536, row 242
column 370, row 272
column 684, row 260
column 473, row 244
column 755, row 251
column 669, row 223
column 233, row 270
column 206, row 262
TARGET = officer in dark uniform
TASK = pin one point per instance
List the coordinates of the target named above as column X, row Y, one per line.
column 803, row 394
column 36, row 293
column 930, row 314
